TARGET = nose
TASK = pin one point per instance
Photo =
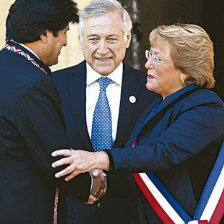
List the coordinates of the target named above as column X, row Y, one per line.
column 149, row 63
column 102, row 48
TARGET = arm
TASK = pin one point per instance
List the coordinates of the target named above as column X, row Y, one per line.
column 192, row 130
column 41, row 126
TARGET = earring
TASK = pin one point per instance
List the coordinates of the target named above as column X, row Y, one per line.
column 182, row 80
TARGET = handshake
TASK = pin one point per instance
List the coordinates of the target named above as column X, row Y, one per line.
column 80, row 161
column 98, row 185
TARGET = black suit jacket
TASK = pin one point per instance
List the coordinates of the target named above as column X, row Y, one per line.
column 118, row 202
column 31, row 128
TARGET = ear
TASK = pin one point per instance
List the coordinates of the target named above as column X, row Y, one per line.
column 80, row 37
column 183, row 77
column 44, row 36
column 128, row 39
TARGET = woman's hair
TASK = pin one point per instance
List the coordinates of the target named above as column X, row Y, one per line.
column 191, row 51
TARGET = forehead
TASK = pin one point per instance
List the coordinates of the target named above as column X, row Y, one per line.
column 108, row 24
column 161, row 47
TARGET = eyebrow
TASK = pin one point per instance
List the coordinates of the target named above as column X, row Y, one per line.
column 113, row 35
column 92, row 35
column 154, row 50
column 96, row 35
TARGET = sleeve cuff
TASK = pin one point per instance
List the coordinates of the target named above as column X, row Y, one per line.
column 111, row 160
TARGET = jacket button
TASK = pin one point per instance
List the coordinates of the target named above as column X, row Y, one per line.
column 99, row 205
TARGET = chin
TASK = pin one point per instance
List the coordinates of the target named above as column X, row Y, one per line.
column 103, row 72
column 149, row 87
column 53, row 63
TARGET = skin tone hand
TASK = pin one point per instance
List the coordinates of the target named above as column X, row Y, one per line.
column 99, row 186
column 79, row 161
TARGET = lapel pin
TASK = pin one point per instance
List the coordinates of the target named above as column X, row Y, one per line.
column 132, row 99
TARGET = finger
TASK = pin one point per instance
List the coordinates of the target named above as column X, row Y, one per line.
column 61, row 152
column 61, row 162
column 72, row 175
column 95, row 173
column 89, row 202
column 65, row 171
column 104, row 191
column 92, row 199
column 101, row 193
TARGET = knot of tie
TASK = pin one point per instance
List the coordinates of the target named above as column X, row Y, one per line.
column 104, row 82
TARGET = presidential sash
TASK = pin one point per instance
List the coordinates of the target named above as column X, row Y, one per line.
column 210, row 208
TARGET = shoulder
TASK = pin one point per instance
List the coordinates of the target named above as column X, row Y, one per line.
column 202, row 105
column 20, row 72
column 68, row 72
column 203, row 97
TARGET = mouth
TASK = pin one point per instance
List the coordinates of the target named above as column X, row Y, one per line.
column 150, row 76
column 105, row 59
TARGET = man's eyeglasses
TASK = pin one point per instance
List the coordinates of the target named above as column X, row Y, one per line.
column 155, row 59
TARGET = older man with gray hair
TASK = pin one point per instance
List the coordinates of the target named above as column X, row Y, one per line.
column 102, row 99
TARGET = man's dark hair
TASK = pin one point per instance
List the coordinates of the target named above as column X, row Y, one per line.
column 28, row 19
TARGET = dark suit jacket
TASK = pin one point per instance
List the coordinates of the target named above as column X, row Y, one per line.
column 118, row 202
column 179, row 143
column 31, row 128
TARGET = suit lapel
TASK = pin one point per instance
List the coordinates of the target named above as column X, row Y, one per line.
column 129, row 88
column 77, row 89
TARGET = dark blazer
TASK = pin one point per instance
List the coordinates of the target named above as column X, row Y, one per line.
column 118, row 206
column 31, row 128
column 180, row 143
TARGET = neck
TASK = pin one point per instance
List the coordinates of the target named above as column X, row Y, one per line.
column 37, row 48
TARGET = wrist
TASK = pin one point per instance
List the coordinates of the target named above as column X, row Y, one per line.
column 102, row 161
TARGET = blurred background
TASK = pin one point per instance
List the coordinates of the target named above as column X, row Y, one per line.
column 146, row 15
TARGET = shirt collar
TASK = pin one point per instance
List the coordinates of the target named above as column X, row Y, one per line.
column 93, row 76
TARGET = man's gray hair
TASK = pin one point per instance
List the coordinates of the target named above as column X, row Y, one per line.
column 102, row 7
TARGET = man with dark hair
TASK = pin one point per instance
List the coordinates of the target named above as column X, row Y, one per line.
column 31, row 124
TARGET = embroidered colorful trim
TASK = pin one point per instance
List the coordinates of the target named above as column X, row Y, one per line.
column 27, row 56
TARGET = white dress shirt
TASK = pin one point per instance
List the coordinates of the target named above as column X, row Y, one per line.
column 113, row 92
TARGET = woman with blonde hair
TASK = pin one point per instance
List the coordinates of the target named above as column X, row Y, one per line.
column 179, row 137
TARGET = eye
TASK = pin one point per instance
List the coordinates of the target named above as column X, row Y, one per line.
column 93, row 40
column 112, row 40
column 157, row 59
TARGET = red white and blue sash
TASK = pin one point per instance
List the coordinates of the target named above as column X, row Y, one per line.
column 211, row 205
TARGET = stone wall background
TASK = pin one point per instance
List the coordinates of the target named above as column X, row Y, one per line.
column 70, row 55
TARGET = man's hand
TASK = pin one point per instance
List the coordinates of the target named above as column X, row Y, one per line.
column 99, row 185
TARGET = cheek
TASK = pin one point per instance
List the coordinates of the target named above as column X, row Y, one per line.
column 162, row 75
column 119, row 52
column 88, row 51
